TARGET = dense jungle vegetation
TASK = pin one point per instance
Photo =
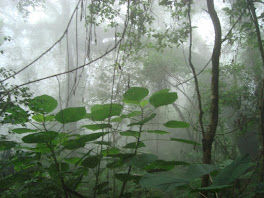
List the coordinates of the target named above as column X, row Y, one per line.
column 132, row 99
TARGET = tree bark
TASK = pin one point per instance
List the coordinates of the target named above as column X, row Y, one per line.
column 209, row 135
column 261, row 103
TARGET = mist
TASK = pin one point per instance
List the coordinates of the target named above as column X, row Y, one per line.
column 104, row 98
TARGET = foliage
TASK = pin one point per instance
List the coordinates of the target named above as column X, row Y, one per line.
column 44, row 156
column 93, row 160
column 12, row 100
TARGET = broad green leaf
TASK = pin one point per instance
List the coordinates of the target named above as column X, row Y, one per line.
column 162, row 91
column 115, row 164
column 141, row 160
column 124, row 177
column 132, row 114
column 143, row 103
column 16, row 115
column 41, row 137
column 135, row 94
column 198, row 170
column 81, row 141
column 72, row 114
column 43, row 104
column 91, row 161
column 125, row 157
column 176, row 124
column 41, row 148
column 162, row 181
column 145, row 120
column 42, row 118
column 72, row 160
column 95, row 127
column 6, row 145
column 23, row 130
column 185, row 141
column 158, row 132
column 101, row 112
column 111, row 151
column 133, row 145
column 233, row 171
column 130, row 133
column 117, row 119
column 92, row 136
column 162, row 165
column 74, row 144
column 162, row 98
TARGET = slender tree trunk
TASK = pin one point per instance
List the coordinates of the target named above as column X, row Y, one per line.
column 184, row 120
column 261, row 103
column 209, row 135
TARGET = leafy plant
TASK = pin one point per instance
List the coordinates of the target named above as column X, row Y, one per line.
column 80, row 164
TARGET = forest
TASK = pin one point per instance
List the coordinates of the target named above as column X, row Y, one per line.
column 131, row 99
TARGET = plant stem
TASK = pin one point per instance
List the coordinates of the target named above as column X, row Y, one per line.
column 135, row 153
column 58, row 169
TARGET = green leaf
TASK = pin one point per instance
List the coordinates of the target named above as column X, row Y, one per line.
column 198, row 170
column 130, row 133
column 17, row 115
column 6, row 145
column 72, row 160
column 92, row 136
column 162, row 165
column 162, row 181
column 101, row 112
column 115, row 164
column 95, row 127
column 72, row 114
column 145, row 120
column 111, row 151
column 41, row 137
column 81, row 141
column 91, row 161
column 143, row 103
column 176, row 124
column 162, row 98
column 23, row 130
column 132, row 114
column 74, row 144
column 135, row 94
column 43, row 104
column 158, row 132
column 133, row 145
column 185, row 141
column 233, row 171
column 116, row 119
column 124, row 177
column 141, row 160
column 42, row 118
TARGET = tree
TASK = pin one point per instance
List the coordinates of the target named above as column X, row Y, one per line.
column 122, row 59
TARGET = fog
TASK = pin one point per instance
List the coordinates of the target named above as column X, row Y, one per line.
column 85, row 53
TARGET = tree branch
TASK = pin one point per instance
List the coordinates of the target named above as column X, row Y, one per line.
column 35, row 60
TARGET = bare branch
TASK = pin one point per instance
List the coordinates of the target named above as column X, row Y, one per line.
column 35, row 60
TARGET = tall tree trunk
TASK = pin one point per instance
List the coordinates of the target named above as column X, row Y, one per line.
column 209, row 135
column 261, row 103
